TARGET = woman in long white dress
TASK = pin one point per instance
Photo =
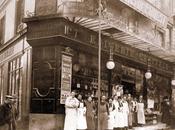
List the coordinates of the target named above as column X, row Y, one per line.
column 125, row 112
column 111, row 114
column 140, row 112
column 71, row 106
column 119, row 120
column 81, row 114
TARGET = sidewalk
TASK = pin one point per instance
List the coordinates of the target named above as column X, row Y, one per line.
column 159, row 126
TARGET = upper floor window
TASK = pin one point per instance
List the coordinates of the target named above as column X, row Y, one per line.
column 160, row 35
column 2, row 29
column 19, row 14
column 163, row 5
column 168, row 37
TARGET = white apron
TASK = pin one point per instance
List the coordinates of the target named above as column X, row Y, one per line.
column 81, row 115
column 140, row 113
column 111, row 119
column 119, row 120
column 71, row 105
column 125, row 113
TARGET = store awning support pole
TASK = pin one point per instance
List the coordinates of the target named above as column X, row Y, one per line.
column 99, row 62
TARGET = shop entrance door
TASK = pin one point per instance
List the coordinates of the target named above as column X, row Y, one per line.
column 128, row 88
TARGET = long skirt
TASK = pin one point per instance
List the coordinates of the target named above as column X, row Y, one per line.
column 70, row 122
column 130, row 118
column 134, row 118
column 125, row 119
column 90, row 122
column 141, row 117
column 119, row 120
column 111, row 121
column 103, row 121
column 81, row 119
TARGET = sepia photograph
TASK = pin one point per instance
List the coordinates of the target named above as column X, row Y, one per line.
column 87, row 64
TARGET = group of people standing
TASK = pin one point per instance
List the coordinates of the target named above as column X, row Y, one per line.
column 122, row 112
column 80, row 114
column 119, row 112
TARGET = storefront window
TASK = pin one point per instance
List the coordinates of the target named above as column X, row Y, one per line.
column 45, row 92
column 15, row 80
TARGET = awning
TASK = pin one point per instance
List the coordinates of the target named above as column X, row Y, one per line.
column 125, row 37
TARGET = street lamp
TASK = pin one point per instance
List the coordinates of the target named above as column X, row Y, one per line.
column 173, row 79
column 173, row 82
column 110, row 64
column 148, row 74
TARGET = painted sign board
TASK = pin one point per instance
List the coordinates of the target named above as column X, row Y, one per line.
column 66, row 77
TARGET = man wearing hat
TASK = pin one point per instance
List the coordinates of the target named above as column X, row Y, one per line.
column 12, row 111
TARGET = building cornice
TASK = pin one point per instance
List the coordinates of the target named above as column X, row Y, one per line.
column 12, row 40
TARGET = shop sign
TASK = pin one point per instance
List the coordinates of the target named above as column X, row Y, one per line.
column 146, row 9
column 7, row 53
column 11, row 51
column 66, row 77
column 90, row 38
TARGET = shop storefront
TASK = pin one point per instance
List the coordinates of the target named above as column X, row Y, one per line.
column 53, row 39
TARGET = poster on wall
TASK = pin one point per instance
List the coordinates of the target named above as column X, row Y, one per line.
column 66, row 77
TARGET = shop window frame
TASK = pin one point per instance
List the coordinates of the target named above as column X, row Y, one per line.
column 15, row 83
column 1, row 84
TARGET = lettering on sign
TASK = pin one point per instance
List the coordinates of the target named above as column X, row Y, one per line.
column 7, row 53
column 66, row 77
column 70, row 31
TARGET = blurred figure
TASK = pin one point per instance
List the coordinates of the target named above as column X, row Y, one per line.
column 90, row 113
column 104, row 112
column 140, row 111
column 111, row 114
column 81, row 114
column 125, row 112
column 130, row 115
column 12, row 111
column 134, row 111
column 71, row 106
column 165, row 109
column 119, row 119
column 117, row 90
